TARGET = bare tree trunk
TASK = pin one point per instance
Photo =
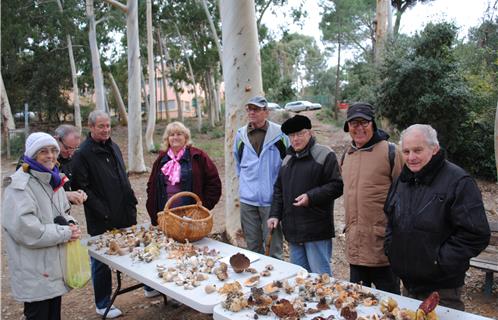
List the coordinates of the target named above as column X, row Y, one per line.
column 381, row 29
column 151, row 117
column 145, row 96
column 74, row 77
column 242, row 77
column 208, row 100
column 179, row 106
column 213, row 29
column 337, row 77
column 164, row 57
column 7, row 118
column 136, row 161
column 217, row 99
column 98, row 78
column 212, row 115
column 216, row 115
column 184, row 47
column 119, row 100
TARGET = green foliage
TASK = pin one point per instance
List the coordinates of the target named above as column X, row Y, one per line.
column 16, row 145
column 424, row 85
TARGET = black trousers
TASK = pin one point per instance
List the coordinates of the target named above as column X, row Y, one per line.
column 382, row 277
column 43, row 310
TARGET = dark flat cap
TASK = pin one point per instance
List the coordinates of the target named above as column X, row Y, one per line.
column 359, row 110
column 296, row 124
column 258, row 102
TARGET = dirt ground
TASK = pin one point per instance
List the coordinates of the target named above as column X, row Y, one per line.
column 78, row 304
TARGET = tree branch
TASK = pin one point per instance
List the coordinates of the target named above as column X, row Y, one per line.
column 118, row 5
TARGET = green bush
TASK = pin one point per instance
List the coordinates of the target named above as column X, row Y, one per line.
column 424, row 85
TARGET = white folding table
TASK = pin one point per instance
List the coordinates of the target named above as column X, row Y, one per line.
column 443, row 313
column 197, row 298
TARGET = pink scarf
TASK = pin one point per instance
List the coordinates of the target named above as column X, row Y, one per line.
column 172, row 168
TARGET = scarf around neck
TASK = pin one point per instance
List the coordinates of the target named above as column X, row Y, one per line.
column 56, row 181
column 172, row 168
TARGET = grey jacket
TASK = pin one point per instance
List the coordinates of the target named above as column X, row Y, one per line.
column 35, row 245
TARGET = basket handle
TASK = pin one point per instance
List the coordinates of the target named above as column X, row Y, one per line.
column 183, row 194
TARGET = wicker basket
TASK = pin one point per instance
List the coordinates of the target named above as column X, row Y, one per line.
column 192, row 222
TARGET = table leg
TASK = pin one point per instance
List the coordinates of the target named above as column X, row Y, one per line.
column 118, row 291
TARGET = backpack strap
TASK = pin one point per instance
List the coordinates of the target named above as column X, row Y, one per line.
column 282, row 148
column 280, row 144
column 240, row 149
column 392, row 154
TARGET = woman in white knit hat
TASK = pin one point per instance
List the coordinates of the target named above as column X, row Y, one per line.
column 37, row 224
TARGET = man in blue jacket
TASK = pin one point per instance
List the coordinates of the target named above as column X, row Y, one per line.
column 258, row 150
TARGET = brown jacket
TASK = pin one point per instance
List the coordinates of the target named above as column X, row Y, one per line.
column 367, row 177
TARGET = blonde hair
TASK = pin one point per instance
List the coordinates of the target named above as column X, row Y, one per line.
column 175, row 127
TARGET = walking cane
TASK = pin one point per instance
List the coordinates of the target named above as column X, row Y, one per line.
column 268, row 242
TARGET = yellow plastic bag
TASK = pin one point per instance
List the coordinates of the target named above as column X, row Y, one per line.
column 77, row 265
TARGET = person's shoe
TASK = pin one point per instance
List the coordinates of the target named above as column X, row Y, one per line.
column 113, row 312
column 151, row 293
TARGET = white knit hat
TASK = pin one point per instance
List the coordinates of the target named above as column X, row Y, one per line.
column 38, row 140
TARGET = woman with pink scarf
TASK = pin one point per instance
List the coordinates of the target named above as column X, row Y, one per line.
column 181, row 167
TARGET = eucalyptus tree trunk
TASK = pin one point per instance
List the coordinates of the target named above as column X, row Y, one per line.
column 119, row 100
column 164, row 57
column 191, row 71
column 212, row 97
column 74, row 77
column 151, row 117
column 381, row 29
column 179, row 106
column 136, row 161
column 98, row 78
column 213, row 29
column 242, row 77
column 337, row 76
column 143, row 90
column 7, row 118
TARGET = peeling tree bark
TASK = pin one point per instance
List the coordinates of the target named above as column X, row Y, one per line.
column 164, row 57
column 151, row 116
column 7, row 118
column 191, row 72
column 381, row 29
column 98, row 78
column 136, row 161
column 119, row 100
column 74, row 78
column 242, row 77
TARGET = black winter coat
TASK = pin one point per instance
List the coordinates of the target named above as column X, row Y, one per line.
column 99, row 170
column 314, row 171
column 436, row 223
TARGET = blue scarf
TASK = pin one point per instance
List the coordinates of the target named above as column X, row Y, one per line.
column 55, row 180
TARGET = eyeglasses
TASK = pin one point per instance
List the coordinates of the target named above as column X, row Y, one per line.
column 299, row 134
column 68, row 147
column 357, row 123
column 254, row 109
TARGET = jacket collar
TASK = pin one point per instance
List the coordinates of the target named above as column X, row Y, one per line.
column 427, row 174
column 41, row 176
column 378, row 136
column 305, row 152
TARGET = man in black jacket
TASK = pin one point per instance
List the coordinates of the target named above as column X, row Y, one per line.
column 99, row 170
column 303, row 198
column 436, row 220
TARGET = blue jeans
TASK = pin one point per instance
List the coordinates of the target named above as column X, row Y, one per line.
column 102, row 283
column 314, row 256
